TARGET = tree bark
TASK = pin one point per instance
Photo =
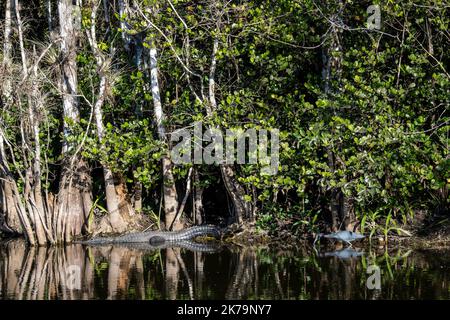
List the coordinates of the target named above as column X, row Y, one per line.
column 8, row 208
column 74, row 197
column 123, row 6
column 332, row 55
column 198, row 199
column 137, row 197
column 236, row 192
column 116, row 220
column 169, row 188
column 7, row 51
column 180, row 211
column 26, row 207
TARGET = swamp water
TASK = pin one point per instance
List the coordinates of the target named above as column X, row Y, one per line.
column 117, row 272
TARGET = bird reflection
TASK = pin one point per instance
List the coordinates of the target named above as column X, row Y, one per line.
column 347, row 253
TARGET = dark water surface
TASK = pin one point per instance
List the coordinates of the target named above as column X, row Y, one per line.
column 79, row 272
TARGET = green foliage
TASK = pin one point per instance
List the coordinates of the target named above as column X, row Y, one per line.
column 385, row 122
column 131, row 145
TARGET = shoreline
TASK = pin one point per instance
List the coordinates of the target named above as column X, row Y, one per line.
column 250, row 236
column 433, row 240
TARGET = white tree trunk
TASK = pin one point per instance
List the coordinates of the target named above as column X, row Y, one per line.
column 49, row 15
column 33, row 198
column 7, row 49
column 74, row 197
column 169, row 188
column 123, row 6
column 69, row 80
column 234, row 189
column 8, row 208
column 113, row 200
column 198, row 199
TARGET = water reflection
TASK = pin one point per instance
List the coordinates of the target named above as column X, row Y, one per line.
column 140, row 272
column 347, row 253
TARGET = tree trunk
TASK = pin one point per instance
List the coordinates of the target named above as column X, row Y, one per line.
column 74, row 197
column 113, row 202
column 198, row 199
column 236, row 192
column 127, row 40
column 16, row 211
column 42, row 224
column 180, row 211
column 7, row 51
column 137, row 197
column 123, row 6
column 49, row 15
column 169, row 188
column 341, row 213
column 32, row 181
column 8, row 208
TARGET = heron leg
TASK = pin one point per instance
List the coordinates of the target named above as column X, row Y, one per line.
column 316, row 251
column 315, row 240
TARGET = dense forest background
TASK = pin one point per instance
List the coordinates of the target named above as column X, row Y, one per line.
column 92, row 90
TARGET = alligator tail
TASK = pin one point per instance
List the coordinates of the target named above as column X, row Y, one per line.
column 187, row 234
column 196, row 231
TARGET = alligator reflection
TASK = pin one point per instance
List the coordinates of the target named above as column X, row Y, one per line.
column 130, row 272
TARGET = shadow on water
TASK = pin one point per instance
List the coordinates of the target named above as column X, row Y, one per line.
column 141, row 272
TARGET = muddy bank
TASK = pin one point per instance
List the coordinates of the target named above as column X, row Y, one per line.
column 249, row 235
column 420, row 237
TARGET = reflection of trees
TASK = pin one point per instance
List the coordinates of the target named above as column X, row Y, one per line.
column 241, row 282
column 175, row 265
column 404, row 275
column 289, row 275
column 44, row 273
column 341, row 280
column 112, row 272
column 417, row 274
column 199, row 265
column 65, row 272
column 171, row 276
column 10, row 268
column 128, row 264
column 121, row 260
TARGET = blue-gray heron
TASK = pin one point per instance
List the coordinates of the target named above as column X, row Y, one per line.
column 345, row 236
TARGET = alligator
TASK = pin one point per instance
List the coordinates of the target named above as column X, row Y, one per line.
column 156, row 237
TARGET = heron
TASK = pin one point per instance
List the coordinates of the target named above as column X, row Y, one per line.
column 344, row 236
